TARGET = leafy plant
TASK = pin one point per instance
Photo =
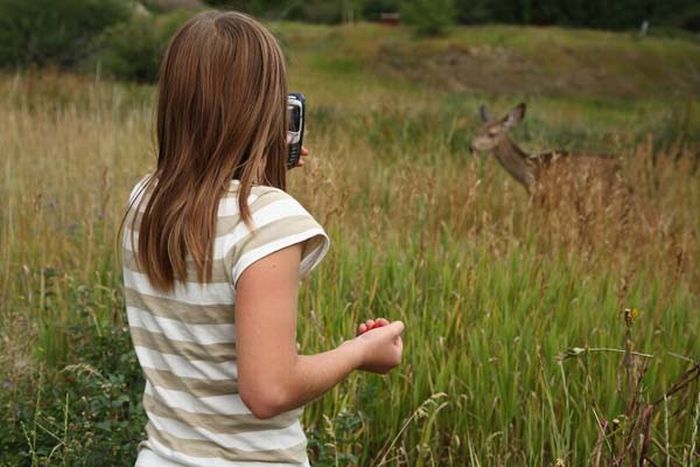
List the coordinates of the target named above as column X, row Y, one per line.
column 46, row 32
column 133, row 49
column 430, row 17
column 90, row 414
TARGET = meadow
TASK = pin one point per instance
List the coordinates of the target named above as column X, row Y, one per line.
column 533, row 337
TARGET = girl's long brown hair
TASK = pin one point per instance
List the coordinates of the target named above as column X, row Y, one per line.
column 222, row 100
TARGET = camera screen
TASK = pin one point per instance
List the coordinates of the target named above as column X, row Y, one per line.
column 294, row 117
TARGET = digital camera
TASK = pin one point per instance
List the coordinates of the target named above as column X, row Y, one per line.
column 296, row 108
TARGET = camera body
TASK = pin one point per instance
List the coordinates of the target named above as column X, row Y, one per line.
column 296, row 108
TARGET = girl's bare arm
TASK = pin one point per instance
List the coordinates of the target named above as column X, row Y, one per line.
column 272, row 376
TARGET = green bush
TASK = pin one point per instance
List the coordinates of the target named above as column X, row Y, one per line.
column 132, row 50
column 89, row 413
column 165, row 6
column 372, row 9
column 310, row 11
column 315, row 11
column 257, row 8
column 430, row 17
column 47, row 32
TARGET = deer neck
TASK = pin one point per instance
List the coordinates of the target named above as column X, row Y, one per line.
column 513, row 159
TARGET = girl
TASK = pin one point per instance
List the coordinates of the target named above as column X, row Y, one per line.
column 213, row 252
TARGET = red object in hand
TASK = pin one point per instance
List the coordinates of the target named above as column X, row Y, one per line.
column 375, row 325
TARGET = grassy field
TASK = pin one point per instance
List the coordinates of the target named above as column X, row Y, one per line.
column 533, row 337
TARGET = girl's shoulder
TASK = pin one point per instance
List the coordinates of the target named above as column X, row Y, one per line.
column 138, row 189
column 270, row 202
column 255, row 190
column 278, row 220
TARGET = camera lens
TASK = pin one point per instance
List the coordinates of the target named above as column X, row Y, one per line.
column 294, row 117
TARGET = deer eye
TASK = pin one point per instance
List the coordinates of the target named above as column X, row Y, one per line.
column 493, row 132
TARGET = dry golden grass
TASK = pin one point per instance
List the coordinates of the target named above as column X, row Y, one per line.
column 492, row 287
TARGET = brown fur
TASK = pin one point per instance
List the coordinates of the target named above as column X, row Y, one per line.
column 578, row 192
column 535, row 171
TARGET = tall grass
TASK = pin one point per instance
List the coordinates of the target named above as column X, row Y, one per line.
column 518, row 350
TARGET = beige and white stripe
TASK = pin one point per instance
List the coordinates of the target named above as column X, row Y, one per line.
column 185, row 341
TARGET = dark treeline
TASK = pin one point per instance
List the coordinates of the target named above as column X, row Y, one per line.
column 126, row 38
column 598, row 14
column 605, row 14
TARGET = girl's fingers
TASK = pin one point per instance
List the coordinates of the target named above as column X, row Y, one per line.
column 304, row 153
column 372, row 324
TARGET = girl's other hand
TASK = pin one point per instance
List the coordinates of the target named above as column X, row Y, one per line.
column 304, row 153
column 381, row 346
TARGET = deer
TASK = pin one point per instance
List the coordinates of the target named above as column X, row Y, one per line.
column 531, row 169
column 576, row 188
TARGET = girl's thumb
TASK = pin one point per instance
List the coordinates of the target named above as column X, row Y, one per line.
column 396, row 327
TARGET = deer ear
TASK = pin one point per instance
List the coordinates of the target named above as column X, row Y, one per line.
column 485, row 114
column 515, row 116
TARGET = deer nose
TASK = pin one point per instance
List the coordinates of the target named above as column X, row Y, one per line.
column 472, row 149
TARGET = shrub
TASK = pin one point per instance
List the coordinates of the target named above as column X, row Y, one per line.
column 372, row 9
column 430, row 17
column 47, row 32
column 164, row 6
column 89, row 413
column 133, row 50
column 315, row 11
column 311, row 11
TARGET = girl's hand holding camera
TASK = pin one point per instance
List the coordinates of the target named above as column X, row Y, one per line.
column 380, row 345
column 304, row 153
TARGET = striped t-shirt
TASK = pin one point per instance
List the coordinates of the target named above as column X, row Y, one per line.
column 185, row 341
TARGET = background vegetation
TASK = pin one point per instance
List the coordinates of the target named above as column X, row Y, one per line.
column 534, row 337
column 127, row 37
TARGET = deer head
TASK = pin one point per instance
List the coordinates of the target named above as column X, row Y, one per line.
column 493, row 137
column 495, row 132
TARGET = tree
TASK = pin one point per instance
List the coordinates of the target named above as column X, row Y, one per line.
column 430, row 17
column 47, row 32
column 473, row 11
column 133, row 50
column 372, row 9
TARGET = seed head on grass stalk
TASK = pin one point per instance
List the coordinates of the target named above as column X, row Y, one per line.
column 424, row 410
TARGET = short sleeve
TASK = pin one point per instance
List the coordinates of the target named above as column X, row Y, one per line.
column 137, row 190
column 279, row 221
